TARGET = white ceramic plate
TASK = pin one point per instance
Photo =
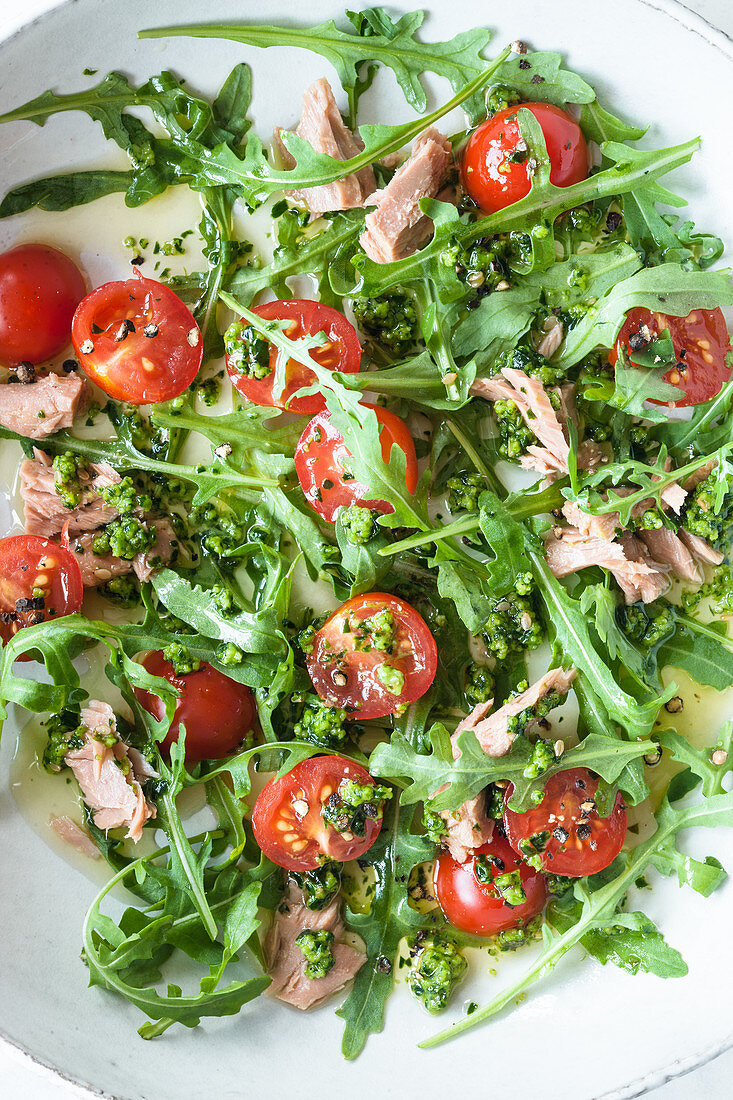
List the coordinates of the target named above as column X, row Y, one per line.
column 585, row 1032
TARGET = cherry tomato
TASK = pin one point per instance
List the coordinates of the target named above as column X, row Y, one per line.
column 700, row 341
column 217, row 712
column 373, row 655
column 288, row 815
column 494, row 168
column 479, row 908
column 40, row 288
column 28, row 564
column 342, row 353
column 323, row 464
column 137, row 341
column 574, row 839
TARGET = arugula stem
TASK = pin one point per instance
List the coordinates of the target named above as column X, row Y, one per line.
column 718, row 405
column 182, row 846
column 661, row 482
column 706, row 631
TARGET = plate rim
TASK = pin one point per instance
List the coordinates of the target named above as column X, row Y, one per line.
column 639, row 1086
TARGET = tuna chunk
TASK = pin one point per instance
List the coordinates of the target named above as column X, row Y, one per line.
column 97, row 569
column 45, row 512
column 285, row 962
column 398, row 227
column 468, row 828
column 38, row 409
column 596, row 527
column 110, row 775
column 568, row 550
column 552, row 338
column 666, row 547
column 68, row 830
column 323, row 128
column 701, row 550
column 530, row 397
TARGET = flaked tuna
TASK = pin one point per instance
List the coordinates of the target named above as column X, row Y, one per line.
column 97, row 569
column 109, row 773
column 285, row 962
column 603, row 526
column 701, row 550
column 45, row 512
column 467, row 828
column 667, row 548
column 322, row 126
column 568, row 550
column 38, row 409
column 398, row 227
column 529, row 395
column 71, row 833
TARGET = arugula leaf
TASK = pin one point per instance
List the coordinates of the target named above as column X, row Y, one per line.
column 600, row 125
column 701, row 651
column 540, row 75
column 390, row 917
column 390, row 43
column 64, row 191
column 464, row 778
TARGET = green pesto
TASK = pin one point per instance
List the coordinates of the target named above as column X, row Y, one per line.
column 478, row 684
column 320, row 885
column 434, row 826
column 229, row 654
column 543, row 754
column 124, row 538
column 699, row 515
column 247, row 351
column 63, row 733
column 513, row 625
column 391, row 320
column 349, row 808
column 358, row 524
column 321, row 724
column 514, row 435
column 181, row 658
column 67, row 467
column 647, row 624
column 438, row 966
column 125, row 497
column 464, row 492
column 392, row 678
column 317, row 950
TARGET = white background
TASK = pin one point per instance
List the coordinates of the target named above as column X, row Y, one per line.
column 21, row 1078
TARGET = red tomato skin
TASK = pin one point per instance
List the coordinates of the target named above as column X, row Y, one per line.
column 40, row 288
column 493, row 182
column 24, row 561
column 563, row 797
column 363, row 694
column 311, row 781
column 702, row 378
column 321, row 454
column 218, row 712
column 478, row 909
column 139, row 369
column 310, row 317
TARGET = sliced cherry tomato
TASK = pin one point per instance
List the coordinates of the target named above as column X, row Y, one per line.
column 288, row 818
column 217, row 712
column 372, row 656
column 477, row 906
column 701, row 342
column 137, row 341
column 494, row 168
column 568, row 833
column 342, row 353
column 323, row 464
column 40, row 288
column 39, row 580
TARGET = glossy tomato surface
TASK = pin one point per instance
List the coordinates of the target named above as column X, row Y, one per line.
column 494, row 167
column 216, row 711
column 137, row 341
column 342, row 353
column 570, row 835
column 323, row 464
column 31, row 563
column 478, row 908
column 701, row 343
column 40, row 288
column 351, row 667
column 288, row 815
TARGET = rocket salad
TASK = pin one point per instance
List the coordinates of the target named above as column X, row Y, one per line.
column 401, row 559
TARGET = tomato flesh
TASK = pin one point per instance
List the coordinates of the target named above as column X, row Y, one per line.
column 218, row 712
column 137, row 341
column 40, row 288
column 571, row 837
column 479, row 908
column 323, row 464
column 494, row 168
column 341, row 353
column 288, row 820
column 351, row 667
column 31, row 563
column 701, row 343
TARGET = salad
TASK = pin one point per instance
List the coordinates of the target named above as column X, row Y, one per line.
column 391, row 544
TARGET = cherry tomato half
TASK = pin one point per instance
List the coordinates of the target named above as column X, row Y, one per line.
column 342, row 353
column 28, row 564
column 372, row 656
column 323, row 464
column 40, row 288
column 701, row 342
column 288, row 815
column 217, row 712
column 494, row 168
column 137, row 341
column 479, row 908
column 574, row 840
